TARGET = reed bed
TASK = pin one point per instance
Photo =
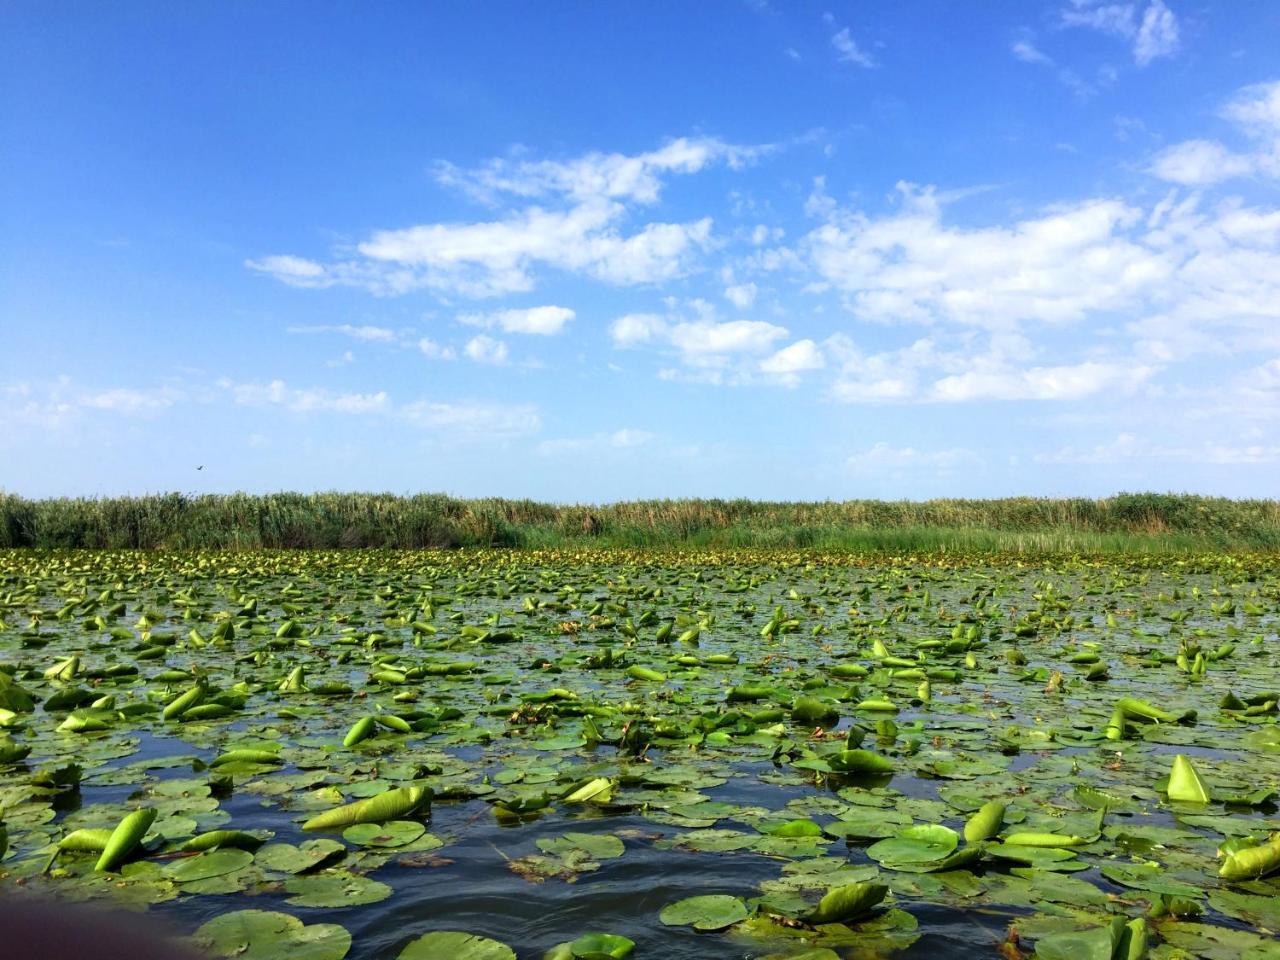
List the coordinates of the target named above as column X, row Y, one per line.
column 1126, row 523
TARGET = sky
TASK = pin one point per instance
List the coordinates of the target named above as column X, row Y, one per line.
column 586, row 252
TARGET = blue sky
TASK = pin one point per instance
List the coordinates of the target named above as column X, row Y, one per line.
column 595, row 251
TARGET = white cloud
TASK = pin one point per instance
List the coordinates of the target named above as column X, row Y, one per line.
column 580, row 232
column 598, row 176
column 703, row 338
column 544, row 321
column 434, row 350
column 741, row 295
column 626, row 438
column 58, row 402
column 485, row 349
column 1119, row 19
column 1195, row 163
column 1027, row 52
column 366, row 333
column 498, row 257
column 276, row 393
column 999, row 367
column 1065, row 382
column 634, row 329
column 297, row 271
column 799, row 357
column 1127, row 447
column 1255, row 110
column 131, row 400
column 474, row 420
column 847, row 50
column 1157, row 34
column 883, row 458
column 1056, row 268
column 1153, row 34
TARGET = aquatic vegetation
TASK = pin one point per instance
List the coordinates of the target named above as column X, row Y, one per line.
column 592, row 755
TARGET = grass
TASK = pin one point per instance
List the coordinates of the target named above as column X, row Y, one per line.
column 1123, row 524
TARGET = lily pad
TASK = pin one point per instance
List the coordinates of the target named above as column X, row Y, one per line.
column 267, row 935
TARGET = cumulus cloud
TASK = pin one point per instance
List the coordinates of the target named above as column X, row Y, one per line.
column 1255, row 112
column 741, row 295
column 576, row 226
column 634, row 329
column 1054, row 268
column 544, row 321
column 703, row 338
column 485, row 349
column 1063, row 382
column 792, row 360
column 1196, row 163
column 435, row 351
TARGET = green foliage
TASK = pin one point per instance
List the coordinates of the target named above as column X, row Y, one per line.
column 1126, row 523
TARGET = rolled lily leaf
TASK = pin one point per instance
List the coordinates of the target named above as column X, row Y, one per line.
column 362, row 729
column 90, row 840
column 1249, row 863
column 1115, row 729
column 11, row 751
column 184, row 702
column 1031, row 839
column 223, row 839
column 859, row 761
column 1133, row 942
column 392, row 722
column 1141, row 710
column 1185, row 784
column 246, row 756
column 811, row 710
column 848, row 902
column 598, row 790
column 644, row 673
column 986, row 823
column 125, row 838
column 390, row 805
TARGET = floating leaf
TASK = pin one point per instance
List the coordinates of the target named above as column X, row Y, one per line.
column 266, row 935
column 708, row 912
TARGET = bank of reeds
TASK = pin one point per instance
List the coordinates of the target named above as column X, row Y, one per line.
column 1138, row 523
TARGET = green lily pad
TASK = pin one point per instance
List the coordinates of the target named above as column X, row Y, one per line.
column 708, row 912
column 334, row 888
column 205, row 865
column 393, row 833
column 267, row 935
column 455, row 945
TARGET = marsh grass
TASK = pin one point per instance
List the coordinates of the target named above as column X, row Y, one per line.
column 1126, row 523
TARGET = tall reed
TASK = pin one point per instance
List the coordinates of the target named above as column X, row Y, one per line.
column 1141, row 522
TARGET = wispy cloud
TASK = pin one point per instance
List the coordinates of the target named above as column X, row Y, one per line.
column 848, row 51
column 277, row 393
column 364, row 332
column 1152, row 31
column 627, row 438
